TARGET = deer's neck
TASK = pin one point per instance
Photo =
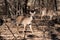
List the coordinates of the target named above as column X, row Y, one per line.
column 31, row 17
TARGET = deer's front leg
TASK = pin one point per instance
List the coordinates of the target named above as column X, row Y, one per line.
column 24, row 27
column 31, row 28
column 24, row 30
column 50, row 17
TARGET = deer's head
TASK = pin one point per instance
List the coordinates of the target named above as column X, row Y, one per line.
column 32, row 12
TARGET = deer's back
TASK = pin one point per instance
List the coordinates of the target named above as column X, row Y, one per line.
column 19, row 18
column 26, row 21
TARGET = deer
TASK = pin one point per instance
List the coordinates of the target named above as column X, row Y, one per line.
column 51, row 14
column 31, row 3
column 27, row 20
column 43, row 11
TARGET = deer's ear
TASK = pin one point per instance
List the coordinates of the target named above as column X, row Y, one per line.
column 30, row 13
column 34, row 12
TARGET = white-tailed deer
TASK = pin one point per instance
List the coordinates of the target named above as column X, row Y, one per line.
column 51, row 14
column 27, row 20
column 43, row 12
column 31, row 3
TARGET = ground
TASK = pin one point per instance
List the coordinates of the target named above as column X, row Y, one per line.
column 18, row 32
